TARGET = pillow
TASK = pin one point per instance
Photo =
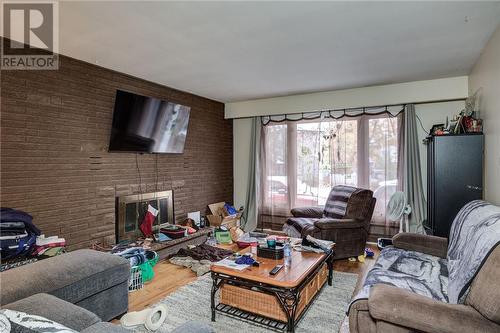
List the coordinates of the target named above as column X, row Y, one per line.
column 20, row 322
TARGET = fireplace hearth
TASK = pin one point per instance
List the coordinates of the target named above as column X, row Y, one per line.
column 130, row 211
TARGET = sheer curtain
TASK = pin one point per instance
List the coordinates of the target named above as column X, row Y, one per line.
column 302, row 160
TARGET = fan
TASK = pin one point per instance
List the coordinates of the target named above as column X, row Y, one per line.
column 397, row 208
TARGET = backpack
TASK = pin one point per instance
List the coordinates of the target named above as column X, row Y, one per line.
column 17, row 233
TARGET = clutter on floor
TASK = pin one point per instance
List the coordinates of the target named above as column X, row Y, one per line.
column 49, row 246
column 205, row 252
column 16, row 262
column 151, row 318
column 17, row 233
column 224, row 214
column 141, row 261
column 21, row 242
column 223, row 235
column 200, row 267
column 199, row 258
column 369, row 252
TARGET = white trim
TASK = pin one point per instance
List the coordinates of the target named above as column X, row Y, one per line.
column 400, row 93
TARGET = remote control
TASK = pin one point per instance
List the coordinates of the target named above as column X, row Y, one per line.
column 276, row 269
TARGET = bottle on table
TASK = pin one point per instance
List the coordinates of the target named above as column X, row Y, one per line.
column 287, row 252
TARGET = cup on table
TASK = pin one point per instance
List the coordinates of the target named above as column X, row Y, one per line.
column 271, row 243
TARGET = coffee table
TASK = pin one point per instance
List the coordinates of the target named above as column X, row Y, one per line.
column 277, row 302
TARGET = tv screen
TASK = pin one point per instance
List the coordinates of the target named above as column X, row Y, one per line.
column 149, row 125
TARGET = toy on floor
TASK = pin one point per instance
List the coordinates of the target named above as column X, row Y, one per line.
column 369, row 252
column 151, row 318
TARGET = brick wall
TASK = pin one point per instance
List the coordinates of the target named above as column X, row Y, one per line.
column 55, row 128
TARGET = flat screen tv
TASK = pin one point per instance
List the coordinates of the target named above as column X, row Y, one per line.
column 148, row 125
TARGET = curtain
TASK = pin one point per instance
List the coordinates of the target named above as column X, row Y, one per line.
column 413, row 188
column 301, row 160
column 249, row 221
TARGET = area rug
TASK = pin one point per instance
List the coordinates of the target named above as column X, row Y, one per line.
column 192, row 302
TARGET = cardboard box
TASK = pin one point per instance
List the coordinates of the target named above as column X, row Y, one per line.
column 220, row 216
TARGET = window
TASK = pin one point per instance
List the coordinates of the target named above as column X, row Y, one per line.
column 302, row 160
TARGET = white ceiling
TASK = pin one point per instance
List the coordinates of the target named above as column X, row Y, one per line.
column 233, row 51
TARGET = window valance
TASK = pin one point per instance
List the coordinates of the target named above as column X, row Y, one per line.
column 391, row 110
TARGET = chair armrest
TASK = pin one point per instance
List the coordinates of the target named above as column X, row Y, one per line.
column 433, row 245
column 405, row 308
column 329, row 223
column 311, row 212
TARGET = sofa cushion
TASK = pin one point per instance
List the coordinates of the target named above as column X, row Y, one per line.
column 484, row 294
column 422, row 314
column 55, row 309
column 20, row 322
column 420, row 273
column 73, row 276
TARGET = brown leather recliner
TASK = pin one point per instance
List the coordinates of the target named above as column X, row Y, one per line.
column 345, row 220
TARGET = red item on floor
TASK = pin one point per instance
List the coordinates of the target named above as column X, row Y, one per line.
column 147, row 223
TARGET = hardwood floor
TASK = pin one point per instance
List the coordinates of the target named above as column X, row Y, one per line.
column 168, row 278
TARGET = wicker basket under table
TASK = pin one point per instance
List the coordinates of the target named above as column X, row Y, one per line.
column 266, row 304
column 279, row 301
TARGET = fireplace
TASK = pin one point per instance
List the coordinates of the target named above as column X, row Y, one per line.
column 130, row 211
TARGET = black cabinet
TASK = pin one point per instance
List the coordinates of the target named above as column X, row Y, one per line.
column 454, row 177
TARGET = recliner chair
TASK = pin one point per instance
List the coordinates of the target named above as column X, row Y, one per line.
column 345, row 220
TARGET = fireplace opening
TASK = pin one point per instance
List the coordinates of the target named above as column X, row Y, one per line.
column 131, row 209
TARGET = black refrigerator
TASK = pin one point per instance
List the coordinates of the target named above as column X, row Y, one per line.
column 454, row 178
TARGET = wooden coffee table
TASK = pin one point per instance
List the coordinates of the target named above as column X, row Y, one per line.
column 277, row 302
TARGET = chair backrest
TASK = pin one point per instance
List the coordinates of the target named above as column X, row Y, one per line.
column 349, row 202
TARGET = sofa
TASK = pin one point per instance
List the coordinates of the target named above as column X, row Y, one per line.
column 430, row 284
column 81, row 290
column 345, row 220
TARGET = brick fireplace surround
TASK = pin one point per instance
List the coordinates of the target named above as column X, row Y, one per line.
column 55, row 128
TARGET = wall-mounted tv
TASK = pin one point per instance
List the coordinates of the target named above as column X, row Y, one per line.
column 148, row 125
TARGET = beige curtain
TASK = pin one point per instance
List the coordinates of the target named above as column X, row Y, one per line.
column 413, row 187
column 302, row 160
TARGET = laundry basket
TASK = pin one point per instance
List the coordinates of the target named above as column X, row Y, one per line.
column 143, row 272
column 135, row 281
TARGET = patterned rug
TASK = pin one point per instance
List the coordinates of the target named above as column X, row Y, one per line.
column 192, row 302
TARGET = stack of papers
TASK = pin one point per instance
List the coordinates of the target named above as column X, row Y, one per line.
column 231, row 264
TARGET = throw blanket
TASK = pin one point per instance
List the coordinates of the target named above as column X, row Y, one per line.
column 420, row 273
column 474, row 234
column 18, row 321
